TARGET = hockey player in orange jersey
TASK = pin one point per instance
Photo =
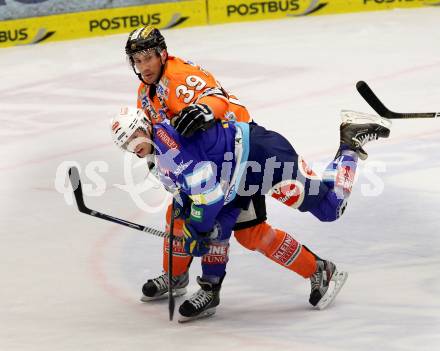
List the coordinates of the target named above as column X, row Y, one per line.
column 191, row 99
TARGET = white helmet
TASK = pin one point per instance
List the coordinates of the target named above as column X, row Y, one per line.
column 126, row 123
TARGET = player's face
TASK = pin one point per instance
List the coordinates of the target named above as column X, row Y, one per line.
column 139, row 143
column 148, row 64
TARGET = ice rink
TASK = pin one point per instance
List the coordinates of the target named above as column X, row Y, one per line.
column 73, row 282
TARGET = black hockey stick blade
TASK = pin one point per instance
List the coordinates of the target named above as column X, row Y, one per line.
column 79, row 198
column 371, row 98
column 77, row 190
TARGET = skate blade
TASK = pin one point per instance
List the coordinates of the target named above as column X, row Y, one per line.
column 176, row 293
column 209, row 312
column 348, row 116
column 336, row 283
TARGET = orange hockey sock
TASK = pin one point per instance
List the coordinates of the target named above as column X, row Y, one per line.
column 278, row 246
column 181, row 260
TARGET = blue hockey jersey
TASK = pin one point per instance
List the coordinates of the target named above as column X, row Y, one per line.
column 206, row 167
column 227, row 164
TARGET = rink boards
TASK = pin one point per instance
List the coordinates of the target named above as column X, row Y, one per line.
column 180, row 14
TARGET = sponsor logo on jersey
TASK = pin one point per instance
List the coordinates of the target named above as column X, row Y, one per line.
column 305, row 170
column 147, row 107
column 289, row 192
column 181, row 167
column 196, row 213
column 345, row 178
column 288, row 251
column 144, row 101
column 162, row 90
column 162, row 114
column 166, row 139
column 178, row 249
column 218, row 254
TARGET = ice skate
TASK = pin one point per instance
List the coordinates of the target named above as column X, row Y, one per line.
column 359, row 128
column 326, row 283
column 157, row 288
column 201, row 304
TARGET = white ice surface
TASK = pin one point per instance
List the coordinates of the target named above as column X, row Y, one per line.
column 72, row 282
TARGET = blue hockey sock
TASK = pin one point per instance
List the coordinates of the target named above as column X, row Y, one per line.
column 330, row 208
column 339, row 174
column 214, row 262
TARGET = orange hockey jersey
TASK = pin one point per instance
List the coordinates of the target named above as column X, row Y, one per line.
column 184, row 83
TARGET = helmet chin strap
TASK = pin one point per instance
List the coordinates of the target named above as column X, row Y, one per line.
column 152, row 90
column 139, row 76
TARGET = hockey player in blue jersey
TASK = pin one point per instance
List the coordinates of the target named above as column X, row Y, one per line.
column 214, row 173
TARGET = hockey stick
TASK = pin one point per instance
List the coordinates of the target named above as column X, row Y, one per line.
column 170, row 265
column 79, row 198
column 377, row 105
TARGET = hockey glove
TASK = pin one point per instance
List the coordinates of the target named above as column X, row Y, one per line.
column 182, row 206
column 193, row 118
column 195, row 243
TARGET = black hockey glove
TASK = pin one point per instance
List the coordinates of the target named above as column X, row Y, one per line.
column 182, row 206
column 193, row 118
